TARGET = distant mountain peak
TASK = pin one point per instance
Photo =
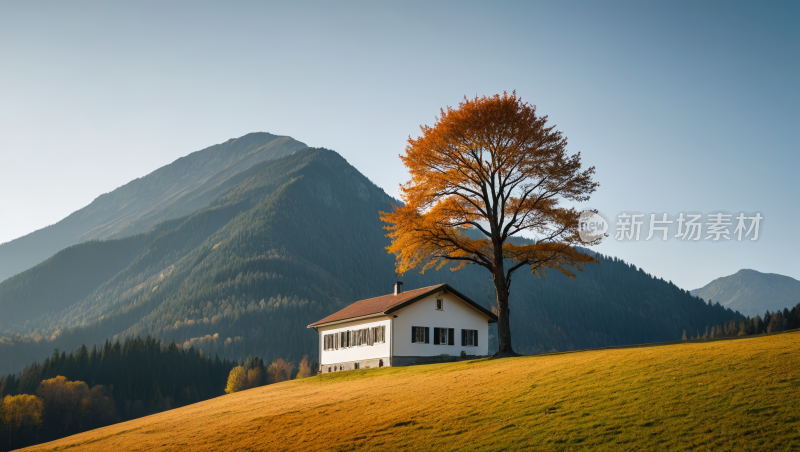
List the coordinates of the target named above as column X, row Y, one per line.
column 752, row 292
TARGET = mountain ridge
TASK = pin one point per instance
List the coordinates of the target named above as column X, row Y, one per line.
column 171, row 191
column 752, row 292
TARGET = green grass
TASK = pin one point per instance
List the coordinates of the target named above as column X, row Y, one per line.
column 740, row 394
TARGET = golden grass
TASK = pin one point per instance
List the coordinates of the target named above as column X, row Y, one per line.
column 741, row 394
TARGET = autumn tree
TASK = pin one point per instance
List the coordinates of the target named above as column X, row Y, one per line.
column 254, row 377
column 237, row 380
column 280, row 370
column 305, row 369
column 98, row 409
column 494, row 166
column 62, row 401
column 22, row 414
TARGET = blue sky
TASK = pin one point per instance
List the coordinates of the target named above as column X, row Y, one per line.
column 681, row 106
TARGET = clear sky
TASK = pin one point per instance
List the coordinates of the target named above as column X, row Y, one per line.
column 681, row 106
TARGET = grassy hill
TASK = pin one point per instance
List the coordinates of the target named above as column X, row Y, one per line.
column 751, row 292
column 735, row 394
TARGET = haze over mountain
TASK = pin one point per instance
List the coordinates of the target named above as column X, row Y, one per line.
column 172, row 191
column 284, row 243
column 751, row 292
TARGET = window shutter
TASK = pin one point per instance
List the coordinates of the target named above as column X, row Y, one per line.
column 451, row 336
column 413, row 333
column 476, row 338
column 427, row 336
column 436, row 336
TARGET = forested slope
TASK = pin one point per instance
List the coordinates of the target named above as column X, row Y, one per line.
column 292, row 241
column 172, row 191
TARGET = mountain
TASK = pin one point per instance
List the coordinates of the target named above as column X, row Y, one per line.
column 172, row 191
column 751, row 292
column 290, row 241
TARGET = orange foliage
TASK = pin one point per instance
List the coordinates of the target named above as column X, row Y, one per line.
column 493, row 165
column 21, row 412
column 71, row 402
column 254, row 378
column 62, row 401
column 305, row 369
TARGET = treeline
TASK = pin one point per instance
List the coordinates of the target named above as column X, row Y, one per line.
column 772, row 322
column 86, row 389
column 253, row 373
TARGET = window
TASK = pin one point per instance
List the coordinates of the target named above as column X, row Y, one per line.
column 377, row 334
column 357, row 366
column 469, row 338
column 354, row 338
column 419, row 334
column 443, row 336
column 328, row 342
column 439, row 304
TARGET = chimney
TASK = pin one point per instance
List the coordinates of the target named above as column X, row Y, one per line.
column 397, row 288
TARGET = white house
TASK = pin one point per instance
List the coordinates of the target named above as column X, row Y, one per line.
column 403, row 328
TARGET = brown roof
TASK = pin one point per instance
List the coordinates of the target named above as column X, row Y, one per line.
column 387, row 304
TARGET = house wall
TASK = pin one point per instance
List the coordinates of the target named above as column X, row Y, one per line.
column 456, row 314
column 365, row 355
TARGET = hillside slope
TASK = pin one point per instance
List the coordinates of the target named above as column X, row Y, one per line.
column 172, row 191
column 752, row 293
column 294, row 240
column 708, row 395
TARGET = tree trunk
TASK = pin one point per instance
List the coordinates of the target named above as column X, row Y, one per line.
column 503, row 326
